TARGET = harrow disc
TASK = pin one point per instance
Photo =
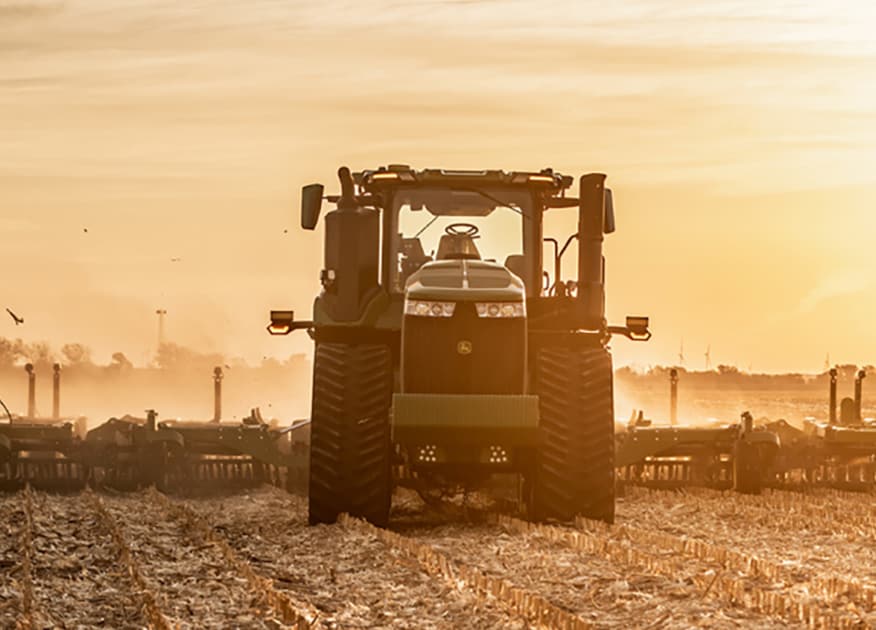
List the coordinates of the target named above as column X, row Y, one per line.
column 43, row 471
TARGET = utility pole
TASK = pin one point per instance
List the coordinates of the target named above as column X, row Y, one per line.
column 161, row 314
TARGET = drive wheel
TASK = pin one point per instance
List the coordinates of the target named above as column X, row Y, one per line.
column 575, row 465
column 350, row 437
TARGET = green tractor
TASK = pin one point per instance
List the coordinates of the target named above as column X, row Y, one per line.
column 438, row 366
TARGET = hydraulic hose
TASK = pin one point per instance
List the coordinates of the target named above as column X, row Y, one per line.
column 9, row 415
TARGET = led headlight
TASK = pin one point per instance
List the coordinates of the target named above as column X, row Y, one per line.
column 501, row 309
column 427, row 454
column 426, row 308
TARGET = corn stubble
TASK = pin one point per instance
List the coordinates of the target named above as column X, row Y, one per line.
column 675, row 560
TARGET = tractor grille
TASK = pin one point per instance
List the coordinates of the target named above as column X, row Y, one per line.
column 433, row 364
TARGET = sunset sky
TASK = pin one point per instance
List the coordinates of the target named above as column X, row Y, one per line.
column 739, row 138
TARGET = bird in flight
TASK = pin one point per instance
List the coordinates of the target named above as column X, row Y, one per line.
column 175, row 259
column 18, row 320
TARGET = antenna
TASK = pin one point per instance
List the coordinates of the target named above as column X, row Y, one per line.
column 708, row 357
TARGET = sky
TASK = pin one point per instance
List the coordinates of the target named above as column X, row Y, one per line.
column 739, row 139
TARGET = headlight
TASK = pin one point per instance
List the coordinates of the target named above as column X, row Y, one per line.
column 424, row 308
column 501, row 309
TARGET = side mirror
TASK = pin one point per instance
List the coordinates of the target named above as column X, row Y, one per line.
column 608, row 225
column 311, row 204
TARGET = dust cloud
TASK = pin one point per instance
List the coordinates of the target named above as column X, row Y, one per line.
column 178, row 383
column 721, row 395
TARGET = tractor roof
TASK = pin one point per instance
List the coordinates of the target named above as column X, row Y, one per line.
column 403, row 175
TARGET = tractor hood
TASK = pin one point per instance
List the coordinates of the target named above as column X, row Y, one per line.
column 467, row 280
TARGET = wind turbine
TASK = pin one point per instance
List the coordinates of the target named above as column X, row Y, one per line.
column 708, row 357
column 681, row 354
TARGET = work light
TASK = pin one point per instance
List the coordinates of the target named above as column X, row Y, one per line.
column 427, row 308
column 500, row 309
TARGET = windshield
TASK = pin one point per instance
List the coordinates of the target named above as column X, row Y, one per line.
column 489, row 221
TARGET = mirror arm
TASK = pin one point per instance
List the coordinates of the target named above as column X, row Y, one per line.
column 561, row 202
column 629, row 334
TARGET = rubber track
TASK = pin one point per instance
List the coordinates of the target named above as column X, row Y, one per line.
column 576, row 459
column 350, row 435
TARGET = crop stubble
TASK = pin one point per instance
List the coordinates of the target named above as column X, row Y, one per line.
column 700, row 558
column 353, row 579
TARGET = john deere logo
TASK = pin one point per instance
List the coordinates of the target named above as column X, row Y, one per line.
column 464, row 347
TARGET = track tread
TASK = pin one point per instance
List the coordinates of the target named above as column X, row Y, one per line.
column 575, row 472
column 350, row 436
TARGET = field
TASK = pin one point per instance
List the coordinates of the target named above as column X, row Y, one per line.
column 249, row 560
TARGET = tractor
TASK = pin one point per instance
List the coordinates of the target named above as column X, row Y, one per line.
column 437, row 364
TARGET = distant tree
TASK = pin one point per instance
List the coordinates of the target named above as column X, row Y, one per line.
column 76, row 354
column 173, row 356
column 10, row 352
column 847, row 371
column 120, row 363
column 270, row 363
column 38, row 353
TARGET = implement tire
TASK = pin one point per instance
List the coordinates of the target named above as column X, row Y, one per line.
column 350, row 449
column 575, row 472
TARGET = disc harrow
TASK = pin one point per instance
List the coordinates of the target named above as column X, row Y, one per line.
column 727, row 456
column 839, row 453
column 129, row 452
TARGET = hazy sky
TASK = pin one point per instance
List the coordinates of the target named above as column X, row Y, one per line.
column 740, row 139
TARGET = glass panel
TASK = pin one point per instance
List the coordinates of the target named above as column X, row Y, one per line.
column 484, row 223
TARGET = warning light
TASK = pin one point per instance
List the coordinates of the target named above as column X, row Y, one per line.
column 281, row 322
